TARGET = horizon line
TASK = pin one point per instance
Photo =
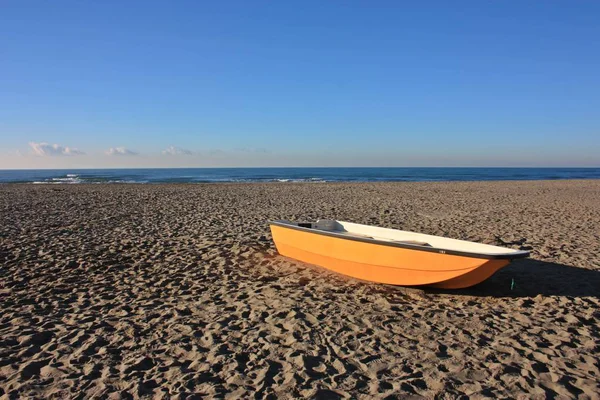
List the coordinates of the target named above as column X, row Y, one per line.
column 303, row 167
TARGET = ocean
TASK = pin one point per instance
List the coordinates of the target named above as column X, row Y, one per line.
column 315, row 175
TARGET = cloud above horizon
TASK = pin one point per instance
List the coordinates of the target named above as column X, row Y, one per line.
column 260, row 150
column 120, row 151
column 176, row 151
column 47, row 149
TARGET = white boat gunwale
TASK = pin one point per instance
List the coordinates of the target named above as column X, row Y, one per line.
column 511, row 255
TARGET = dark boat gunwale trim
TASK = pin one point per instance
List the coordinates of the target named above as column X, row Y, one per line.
column 507, row 256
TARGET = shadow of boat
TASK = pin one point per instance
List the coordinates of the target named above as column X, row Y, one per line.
column 529, row 278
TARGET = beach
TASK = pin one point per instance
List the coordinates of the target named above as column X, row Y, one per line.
column 177, row 290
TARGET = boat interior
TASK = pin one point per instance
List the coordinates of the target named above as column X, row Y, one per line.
column 348, row 229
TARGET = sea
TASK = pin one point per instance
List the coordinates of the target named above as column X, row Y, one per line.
column 312, row 175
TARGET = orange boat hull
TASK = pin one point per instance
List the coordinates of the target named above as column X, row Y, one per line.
column 384, row 264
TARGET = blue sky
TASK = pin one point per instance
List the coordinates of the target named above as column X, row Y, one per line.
column 257, row 83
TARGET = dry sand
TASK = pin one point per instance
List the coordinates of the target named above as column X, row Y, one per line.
column 120, row 291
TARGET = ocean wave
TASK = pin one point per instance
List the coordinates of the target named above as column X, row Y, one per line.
column 67, row 180
column 300, row 180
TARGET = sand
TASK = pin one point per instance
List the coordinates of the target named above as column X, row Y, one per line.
column 158, row 291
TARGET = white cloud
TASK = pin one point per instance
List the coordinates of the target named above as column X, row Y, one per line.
column 176, row 151
column 46, row 149
column 120, row 151
column 260, row 150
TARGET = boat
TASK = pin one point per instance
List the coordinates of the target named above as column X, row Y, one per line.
column 390, row 256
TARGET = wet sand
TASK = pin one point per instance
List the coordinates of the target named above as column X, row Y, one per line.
column 157, row 291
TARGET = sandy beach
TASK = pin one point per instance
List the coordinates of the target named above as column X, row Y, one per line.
column 177, row 291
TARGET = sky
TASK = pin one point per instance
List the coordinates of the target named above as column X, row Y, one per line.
column 93, row 84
